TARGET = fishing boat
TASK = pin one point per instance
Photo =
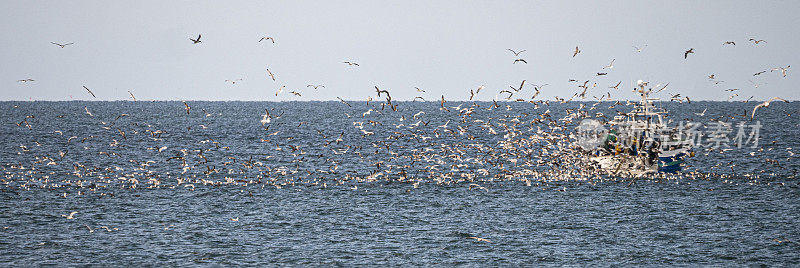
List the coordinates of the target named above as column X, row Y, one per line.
column 638, row 142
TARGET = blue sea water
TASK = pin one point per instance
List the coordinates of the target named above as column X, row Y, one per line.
column 744, row 215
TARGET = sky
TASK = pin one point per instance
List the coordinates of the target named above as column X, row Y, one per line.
column 443, row 47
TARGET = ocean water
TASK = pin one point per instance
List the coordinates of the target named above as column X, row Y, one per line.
column 211, row 187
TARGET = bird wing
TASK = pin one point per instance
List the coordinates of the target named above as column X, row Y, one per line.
column 90, row 92
column 778, row 98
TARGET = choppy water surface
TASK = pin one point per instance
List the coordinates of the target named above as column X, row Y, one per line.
column 268, row 206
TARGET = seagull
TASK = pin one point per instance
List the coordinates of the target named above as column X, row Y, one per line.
column 599, row 74
column 576, row 52
column 296, row 93
column 686, row 54
column 480, row 239
column 757, row 41
column 781, row 69
column 90, row 92
column 348, row 105
column 520, row 87
column 351, row 63
column 756, row 85
column 195, row 41
column 765, row 104
column 87, row 111
column 233, row 82
column 516, row 53
column 186, row 107
column 703, row 113
column 270, row 74
column 316, row 86
column 732, row 89
column 419, row 90
column 639, row 49
column 62, row 46
column 729, row 43
column 611, row 65
column 267, row 38
column 70, row 216
column 711, row 77
column 479, row 89
column 25, row 80
column 134, row 98
column 265, row 119
column 617, row 85
column 759, row 73
column 522, row 60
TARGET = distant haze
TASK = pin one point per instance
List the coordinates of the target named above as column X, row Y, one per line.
column 443, row 47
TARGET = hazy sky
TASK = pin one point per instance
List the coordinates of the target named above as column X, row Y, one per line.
column 444, row 47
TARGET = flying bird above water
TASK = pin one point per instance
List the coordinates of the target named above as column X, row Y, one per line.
column 62, row 46
column 686, row 54
column 576, row 52
column 516, row 53
column 351, row 63
column 522, row 60
column 316, row 86
column 267, row 38
column 134, row 98
column 781, row 69
column 233, row 82
column 639, row 49
column 25, row 80
column 90, row 92
column 764, row 105
column 270, row 74
column 729, row 43
column 195, row 41
column 611, row 65
column 757, row 41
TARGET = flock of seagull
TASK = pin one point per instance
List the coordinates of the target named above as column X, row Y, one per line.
column 388, row 141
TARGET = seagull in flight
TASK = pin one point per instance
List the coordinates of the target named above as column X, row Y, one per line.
column 522, row 60
column 267, row 38
column 515, row 52
column 576, row 52
column 134, row 98
column 729, row 43
column 62, row 46
column 316, row 86
column 639, row 49
column 25, row 80
column 90, row 92
column 686, row 54
column 757, row 41
column 195, row 41
column 611, row 65
column 703, row 113
column 351, row 63
column 781, row 69
column 270, row 74
column 764, row 105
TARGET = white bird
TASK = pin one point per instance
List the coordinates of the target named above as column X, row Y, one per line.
column 703, row 113
column 611, row 65
column 765, row 104
column 70, row 216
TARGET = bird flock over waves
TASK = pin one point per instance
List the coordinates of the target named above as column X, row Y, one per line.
column 466, row 143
